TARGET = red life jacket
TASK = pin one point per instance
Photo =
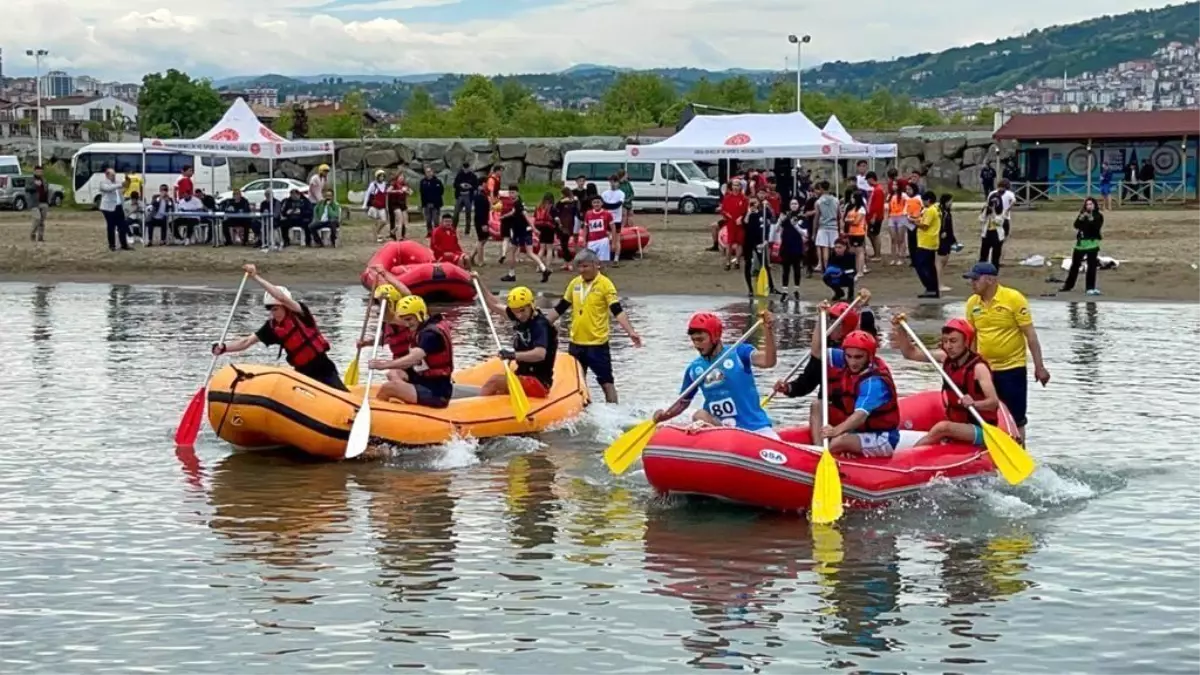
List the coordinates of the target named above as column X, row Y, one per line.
column 843, row 393
column 440, row 364
column 963, row 376
column 398, row 339
column 541, row 217
column 302, row 343
column 379, row 197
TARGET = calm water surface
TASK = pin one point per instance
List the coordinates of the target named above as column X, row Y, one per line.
column 524, row 556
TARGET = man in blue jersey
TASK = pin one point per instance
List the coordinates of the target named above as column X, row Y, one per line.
column 731, row 397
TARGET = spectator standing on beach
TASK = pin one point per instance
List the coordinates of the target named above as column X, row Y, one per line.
column 433, row 192
column 876, row 211
column 1106, row 176
column 183, row 184
column 1146, row 178
column 317, row 183
column 987, row 178
column 790, row 234
column 466, row 183
column 39, row 196
column 947, row 240
column 929, row 233
column 996, row 219
column 397, row 204
column 375, row 204
column 114, row 214
column 1087, row 247
column 566, row 217
column 826, row 223
column 614, row 203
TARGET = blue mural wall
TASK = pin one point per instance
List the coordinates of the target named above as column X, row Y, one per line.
column 1172, row 161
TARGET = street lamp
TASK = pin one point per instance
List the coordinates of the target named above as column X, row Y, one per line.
column 799, row 41
column 37, row 60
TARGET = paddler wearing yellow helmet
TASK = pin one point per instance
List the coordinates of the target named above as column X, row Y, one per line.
column 535, row 342
column 429, row 362
column 292, row 327
column 396, row 336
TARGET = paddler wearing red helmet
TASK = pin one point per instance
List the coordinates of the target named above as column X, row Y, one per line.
column 969, row 372
column 862, row 318
column 731, row 396
column 864, row 410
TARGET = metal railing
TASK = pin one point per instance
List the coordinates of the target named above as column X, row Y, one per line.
column 1148, row 193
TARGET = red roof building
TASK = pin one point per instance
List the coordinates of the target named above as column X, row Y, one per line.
column 1097, row 126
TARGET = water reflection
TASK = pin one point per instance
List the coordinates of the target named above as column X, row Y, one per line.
column 532, row 505
column 412, row 517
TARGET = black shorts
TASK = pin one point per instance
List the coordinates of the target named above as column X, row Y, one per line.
column 597, row 358
column 521, row 238
column 546, row 235
column 1012, row 388
column 322, row 370
column 856, row 241
column 433, row 396
column 945, row 246
column 481, row 231
column 874, row 228
column 505, row 228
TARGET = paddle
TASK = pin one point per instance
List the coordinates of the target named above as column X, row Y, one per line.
column 360, row 431
column 516, row 394
column 189, row 424
column 1009, row 457
column 827, row 484
column 808, row 354
column 628, row 448
column 351, row 376
column 762, row 285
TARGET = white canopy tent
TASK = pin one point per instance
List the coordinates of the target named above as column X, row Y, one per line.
column 749, row 136
column 240, row 133
column 835, row 129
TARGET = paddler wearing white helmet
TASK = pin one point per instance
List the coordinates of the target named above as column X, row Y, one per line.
column 535, row 343
column 292, row 327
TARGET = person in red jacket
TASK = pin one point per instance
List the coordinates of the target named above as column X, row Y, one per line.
column 444, row 243
column 969, row 372
column 734, row 207
column 876, row 211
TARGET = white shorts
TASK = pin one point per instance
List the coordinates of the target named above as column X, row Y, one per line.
column 768, row 432
column 826, row 237
column 601, row 248
column 377, row 214
column 886, row 443
column 897, row 223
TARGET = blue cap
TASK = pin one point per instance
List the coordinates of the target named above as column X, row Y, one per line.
column 982, row 269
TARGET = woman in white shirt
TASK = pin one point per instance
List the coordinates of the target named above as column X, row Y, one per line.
column 614, row 202
column 114, row 214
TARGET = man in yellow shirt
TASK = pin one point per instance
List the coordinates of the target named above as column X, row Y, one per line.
column 591, row 297
column 1004, row 328
column 929, row 232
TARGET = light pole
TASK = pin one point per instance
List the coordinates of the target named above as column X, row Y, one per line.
column 799, row 41
column 37, row 60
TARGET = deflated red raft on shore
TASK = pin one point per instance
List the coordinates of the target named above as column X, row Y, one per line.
column 743, row 467
column 414, row 265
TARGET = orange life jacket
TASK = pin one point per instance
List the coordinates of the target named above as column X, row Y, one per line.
column 856, row 223
column 302, row 343
column 963, row 376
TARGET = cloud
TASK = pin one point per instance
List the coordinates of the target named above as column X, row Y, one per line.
column 232, row 37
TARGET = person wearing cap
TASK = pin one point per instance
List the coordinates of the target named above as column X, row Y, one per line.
column 969, row 372
column 860, row 318
column 317, row 183
column 730, row 393
column 292, row 327
column 591, row 297
column 535, row 343
column 375, row 204
column 1004, row 330
column 429, row 363
column 864, row 408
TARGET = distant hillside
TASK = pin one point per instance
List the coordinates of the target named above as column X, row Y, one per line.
column 981, row 68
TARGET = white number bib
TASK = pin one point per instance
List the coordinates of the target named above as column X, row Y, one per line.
column 724, row 408
column 596, row 225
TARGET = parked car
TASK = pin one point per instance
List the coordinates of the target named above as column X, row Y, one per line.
column 255, row 190
column 13, row 194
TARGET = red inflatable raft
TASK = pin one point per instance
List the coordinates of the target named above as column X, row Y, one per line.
column 629, row 239
column 744, row 467
column 414, row 265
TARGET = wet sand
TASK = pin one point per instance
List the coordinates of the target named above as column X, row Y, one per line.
column 1158, row 250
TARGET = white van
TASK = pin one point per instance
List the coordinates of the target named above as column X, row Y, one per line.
column 678, row 182
column 10, row 165
column 162, row 168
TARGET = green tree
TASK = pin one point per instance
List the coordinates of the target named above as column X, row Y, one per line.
column 782, row 97
column 985, row 116
column 419, row 102
column 480, row 87
column 644, row 97
column 474, row 116
column 347, row 122
column 175, row 102
column 737, row 93
column 704, row 92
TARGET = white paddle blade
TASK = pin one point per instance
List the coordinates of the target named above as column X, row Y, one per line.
column 360, row 432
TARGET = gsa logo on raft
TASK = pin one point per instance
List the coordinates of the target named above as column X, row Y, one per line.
column 772, row 456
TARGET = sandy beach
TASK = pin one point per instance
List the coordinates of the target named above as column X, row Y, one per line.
column 1158, row 250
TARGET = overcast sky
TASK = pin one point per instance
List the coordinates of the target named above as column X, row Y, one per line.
column 218, row 38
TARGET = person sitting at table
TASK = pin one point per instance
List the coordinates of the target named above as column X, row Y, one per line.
column 296, row 211
column 326, row 214
column 233, row 208
column 268, row 210
column 158, row 214
column 190, row 205
column 133, row 208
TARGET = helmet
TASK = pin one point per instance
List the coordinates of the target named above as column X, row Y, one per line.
column 270, row 301
column 962, row 326
column 412, row 305
column 387, row 291
column 850, row 323
column 323, row 167
column 707, row 323
column 380, row 173
column 860, row 340
column 519, row 297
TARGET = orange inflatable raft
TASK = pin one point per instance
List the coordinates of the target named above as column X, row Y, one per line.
column 261, row 406
column 414, row 265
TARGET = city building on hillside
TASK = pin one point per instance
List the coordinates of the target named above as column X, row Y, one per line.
column 1066, row 154
column 80, row 109
column 263, row 96
column 56, row 83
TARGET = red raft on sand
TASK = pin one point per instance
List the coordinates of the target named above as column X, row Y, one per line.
column 629, row 240
column 744, row 467
column 414, row 265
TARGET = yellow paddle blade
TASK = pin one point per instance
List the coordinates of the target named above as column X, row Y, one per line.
column 516, row 396
column 765, row 400
column 762, row 285
column 351, row 378
column 626, row 450
column 827, row 491
column 1009, row 457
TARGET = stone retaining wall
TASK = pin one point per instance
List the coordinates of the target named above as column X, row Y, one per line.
column 950, row 159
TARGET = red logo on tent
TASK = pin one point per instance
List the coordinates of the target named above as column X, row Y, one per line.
column 157, row 143
column 225, row 135
column 268, row 134
column 738, row 139
column 825, row 149
column 633, row 151
column 255, row 148
column 278, row 149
